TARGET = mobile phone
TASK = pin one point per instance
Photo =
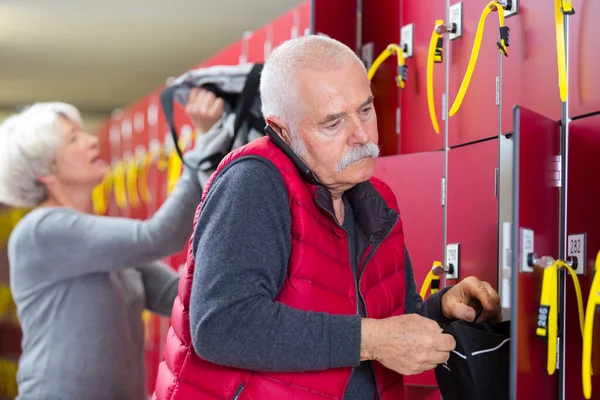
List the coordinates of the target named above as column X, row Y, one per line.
column 305, row 172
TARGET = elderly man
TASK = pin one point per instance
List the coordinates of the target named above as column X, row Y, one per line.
column 297, row 289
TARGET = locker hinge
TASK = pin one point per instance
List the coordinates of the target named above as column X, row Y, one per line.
column 496, row 180
column 555, row 172
column 398, row 121
column 558, row 352
column 497, row 90
column 443, row 194
column 444, row 107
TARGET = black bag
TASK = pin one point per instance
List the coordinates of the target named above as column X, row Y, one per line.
column 479, row 366
column 238, row 85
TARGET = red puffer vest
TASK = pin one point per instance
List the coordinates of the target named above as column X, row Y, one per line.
column 319, row 278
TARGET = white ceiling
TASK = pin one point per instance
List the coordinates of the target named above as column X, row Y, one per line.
column 101, row 55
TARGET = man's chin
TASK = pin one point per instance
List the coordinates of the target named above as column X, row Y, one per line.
column 361, row 170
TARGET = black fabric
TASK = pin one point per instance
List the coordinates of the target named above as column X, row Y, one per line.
column 241, row 103
column 478, row 368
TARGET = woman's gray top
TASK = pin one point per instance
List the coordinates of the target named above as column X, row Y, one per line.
column 80, row 283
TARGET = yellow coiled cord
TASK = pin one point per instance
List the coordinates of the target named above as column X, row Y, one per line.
column 402, row 69
column 502, row 45
column 562, row 7
column 588, row 331
column 434, row 55
column 548, row 317
column 132, row 180
column 431, row 280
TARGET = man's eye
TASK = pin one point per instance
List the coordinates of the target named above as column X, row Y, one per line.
column 334, row 125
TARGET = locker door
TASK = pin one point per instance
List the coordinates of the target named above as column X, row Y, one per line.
column 415, row 180
column 583, row 218
column 535, row 199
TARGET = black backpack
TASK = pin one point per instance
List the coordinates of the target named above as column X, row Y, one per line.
column 238, row 85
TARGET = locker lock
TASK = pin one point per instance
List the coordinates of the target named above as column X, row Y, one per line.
column 534, row 261
column 438, row 270
column 450, row 28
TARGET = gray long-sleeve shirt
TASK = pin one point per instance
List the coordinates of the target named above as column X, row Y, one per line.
column 242, row 245
column 80, row 283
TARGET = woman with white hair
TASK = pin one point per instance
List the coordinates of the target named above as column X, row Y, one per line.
column 81, row 281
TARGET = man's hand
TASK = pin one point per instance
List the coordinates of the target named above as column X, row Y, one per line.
column 463, row 300
column 204, row 109
column 408, row 344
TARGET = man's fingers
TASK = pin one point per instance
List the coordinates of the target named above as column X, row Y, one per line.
column 476, row 289
column 446, row 343
column 440, row 357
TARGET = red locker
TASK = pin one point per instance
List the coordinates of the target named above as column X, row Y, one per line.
column 477, row 117
column 416, row 131
column 473, row 209
column 536, row 145
column 583, row 217
column 529, row 73
column 337, row 19
column 255, row 45
column 303, row 17
column 584, row 58
column 102, row 132
column 418, row 196
column 380, row 26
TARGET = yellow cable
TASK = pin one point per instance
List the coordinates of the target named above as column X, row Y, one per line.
column 132, row 178
column 145, row 161
column 378, row 61
column 163, row 161
column 493, row 5
column 577, row 292
column 434, row 52
column 119, row 180
column 562, row 7
column 402, row 71
column 426, row 284
column 548, row 317
column 588, row 330
column 98, row 199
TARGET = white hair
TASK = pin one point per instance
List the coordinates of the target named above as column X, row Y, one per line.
column 279, row 94
column 28, row 143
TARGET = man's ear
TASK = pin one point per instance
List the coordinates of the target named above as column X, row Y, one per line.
column 280, row 128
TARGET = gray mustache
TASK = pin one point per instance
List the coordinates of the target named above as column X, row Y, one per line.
column 356, row 154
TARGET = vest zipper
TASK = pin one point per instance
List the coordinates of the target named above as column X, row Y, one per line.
column 364, row 266
column 238, row 393
column 359, row 295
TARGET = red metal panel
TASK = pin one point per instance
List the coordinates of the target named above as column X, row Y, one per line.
column 255, row 46
column 416, row 131
column 304, row 11
column 529, row 73
column 381, row 24
column 418, row 197
column 582, row 217
column 584, row 79
column 285, row 27
column 337, row 19
column 473, row 209
column 477, row 118
column 536, row 144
